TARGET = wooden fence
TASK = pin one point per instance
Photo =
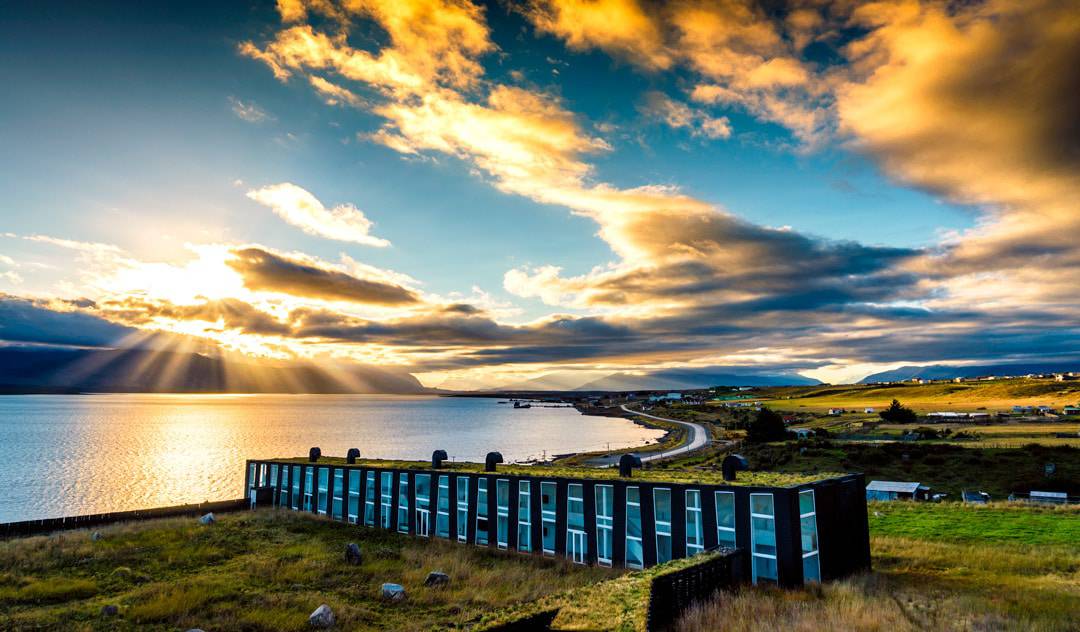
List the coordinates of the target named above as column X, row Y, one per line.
column 672, row 593
column 48, row 525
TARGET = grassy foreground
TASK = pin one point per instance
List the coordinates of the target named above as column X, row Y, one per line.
column 936, row 567
column 266, row 570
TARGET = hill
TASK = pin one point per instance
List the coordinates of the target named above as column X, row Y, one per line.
column 682, row 379
column 947, row 372
column 26, row 369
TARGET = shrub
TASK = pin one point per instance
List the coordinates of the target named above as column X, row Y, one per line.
column 897, row 413
column 767, row 426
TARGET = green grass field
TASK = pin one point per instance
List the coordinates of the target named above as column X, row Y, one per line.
column 937, row 566
column 260, row 571
column 924, row 398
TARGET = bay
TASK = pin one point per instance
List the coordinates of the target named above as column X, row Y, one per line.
column 63, row 455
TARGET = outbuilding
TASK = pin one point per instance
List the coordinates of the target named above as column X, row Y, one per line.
column 897, row 490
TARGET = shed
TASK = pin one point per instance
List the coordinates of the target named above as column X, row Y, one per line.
column 975, row 498
column 896, row 490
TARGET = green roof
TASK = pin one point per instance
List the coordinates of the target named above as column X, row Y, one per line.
column 705, row 476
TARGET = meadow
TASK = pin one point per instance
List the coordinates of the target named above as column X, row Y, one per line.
column 925, row 398
column 937, row 566
column 266, row 570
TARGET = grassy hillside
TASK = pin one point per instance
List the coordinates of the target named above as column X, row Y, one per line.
column 936, row 567
column 946, row 468
column 263, row 571
column 964, row 396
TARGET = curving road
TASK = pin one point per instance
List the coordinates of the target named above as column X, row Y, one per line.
column 698, row 436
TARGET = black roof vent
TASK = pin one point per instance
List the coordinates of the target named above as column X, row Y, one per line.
column 437, row 457
column 733, row 463
column 352, row 455
column 491, row 460
column 626, row 463
column 314, row 454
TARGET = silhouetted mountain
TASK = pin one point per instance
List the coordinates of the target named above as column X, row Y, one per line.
column 946, row 372
column 42, row 369
column 681, row 379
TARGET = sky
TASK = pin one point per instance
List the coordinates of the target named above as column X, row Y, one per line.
column 483, row 193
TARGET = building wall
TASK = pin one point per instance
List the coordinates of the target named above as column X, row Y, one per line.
column 840, row 513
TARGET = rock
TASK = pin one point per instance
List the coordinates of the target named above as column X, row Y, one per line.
column 393, row 592
column 436, row 578
column 323, row 617
column 208, row 519
column 110, row 610
column 95, row 536
column 352, row 554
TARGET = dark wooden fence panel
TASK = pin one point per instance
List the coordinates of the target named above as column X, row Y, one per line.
column 48, row 525
column 673, row 593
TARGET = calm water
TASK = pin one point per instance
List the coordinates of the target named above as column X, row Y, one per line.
column 65, row 455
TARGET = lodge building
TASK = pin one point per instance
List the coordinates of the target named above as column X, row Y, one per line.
column 806, row 532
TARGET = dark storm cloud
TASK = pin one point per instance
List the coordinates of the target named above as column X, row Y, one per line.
column 267, row 271
column 28, row 321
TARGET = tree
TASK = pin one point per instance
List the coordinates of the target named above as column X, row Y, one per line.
column 767, row 426
column 897, row 413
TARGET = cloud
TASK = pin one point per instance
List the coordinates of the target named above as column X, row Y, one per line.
column 300, row 208
column 263, row 270
column 978, row 105
column 55, row 323
column 249, row 111
column 333, row 94
column 681, row 116
column 741, row 55
column 619, row 26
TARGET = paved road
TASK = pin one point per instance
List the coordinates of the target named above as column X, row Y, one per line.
column 698, row 435
column 698, row 438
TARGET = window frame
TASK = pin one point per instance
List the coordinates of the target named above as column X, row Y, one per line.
column 753, row 538
column 699, row 525
column 815, row 553
column 641, row 529
column 658, row 523
column 734, row 520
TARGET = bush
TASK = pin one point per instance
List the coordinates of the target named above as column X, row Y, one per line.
column 896, row 413
column 767, row 426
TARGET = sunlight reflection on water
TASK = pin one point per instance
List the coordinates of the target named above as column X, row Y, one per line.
column 77, row 454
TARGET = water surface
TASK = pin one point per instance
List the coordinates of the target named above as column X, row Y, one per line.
column 74, row 454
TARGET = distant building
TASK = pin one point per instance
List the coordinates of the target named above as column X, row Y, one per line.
column 868, row 410
column 958, row 380
column 893, row 490
column 836, row 411
column 975, row 498
column 1071, row 410
column 803, row 433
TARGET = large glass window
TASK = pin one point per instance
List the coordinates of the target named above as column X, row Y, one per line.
column 252, row 482
column 262, row 475
column 386, row 499
column 725, row 518
column 309, row 487
column 576, row 543
column 811, row 561
column 423, row 504
column 524, row 516
column 369, row 499
column 442, row 508
column 324, row 489
column 605, row 522
column 339, row 494
column 296, row 487
column 481, row 511
column 547, row 516
column 403, row 503
column 502, row 513
column 274, row 480
column 463, row 508
column 354, row 496
column 662, row 514
column 283, row 497
column 695, row 530
column 763, row 536
column 635, row 555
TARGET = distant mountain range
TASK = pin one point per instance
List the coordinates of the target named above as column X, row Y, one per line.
column 667, row 379
column 946, row 372
column 26, row 369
